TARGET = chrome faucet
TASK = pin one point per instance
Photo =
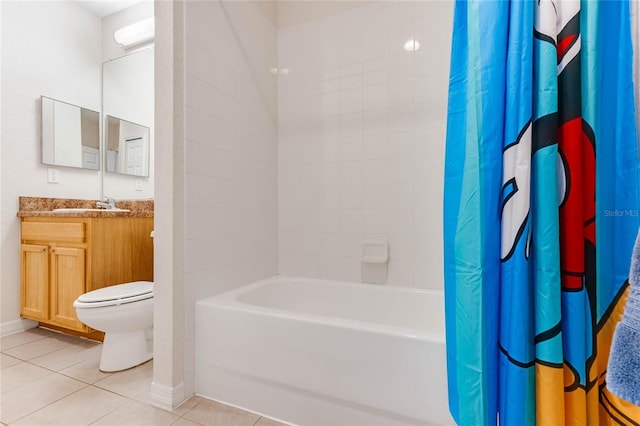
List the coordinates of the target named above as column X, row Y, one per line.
column 107, row 203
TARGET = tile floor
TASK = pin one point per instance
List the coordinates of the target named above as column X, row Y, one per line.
column 48, row 378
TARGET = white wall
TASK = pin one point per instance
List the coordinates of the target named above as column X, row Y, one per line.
column 230, row 159
column 51, row 49
column 361, row 137
column 10, row 289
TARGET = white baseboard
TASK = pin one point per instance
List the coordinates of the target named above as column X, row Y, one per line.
column 166, row 397
column 15, row 326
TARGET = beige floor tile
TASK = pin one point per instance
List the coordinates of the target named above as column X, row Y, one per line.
column 80, row 408
column 7, row 361
column 39, row 347
column 20, row 375
column 131, row 383
column 144, row 397
column 187, row 405
column 87, row 371
column 137, row 414
column 269, row 422
column 185, row 422
column 80, row 351
column 23, row 337
column 36, row 395
column 211, row 413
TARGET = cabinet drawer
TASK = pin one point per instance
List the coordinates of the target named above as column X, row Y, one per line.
column 54, row 231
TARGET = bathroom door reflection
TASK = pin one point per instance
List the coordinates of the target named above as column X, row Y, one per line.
column 127, row 147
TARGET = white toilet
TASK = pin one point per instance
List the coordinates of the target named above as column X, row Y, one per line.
column 124, row 312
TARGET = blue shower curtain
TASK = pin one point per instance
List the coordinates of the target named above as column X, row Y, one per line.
column 540, row 209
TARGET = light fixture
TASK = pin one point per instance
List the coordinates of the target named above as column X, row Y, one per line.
column 136, row 33
column 411, row 45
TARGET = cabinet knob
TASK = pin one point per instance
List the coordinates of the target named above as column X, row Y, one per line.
column 43, row 250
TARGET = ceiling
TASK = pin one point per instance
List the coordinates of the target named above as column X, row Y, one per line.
column 104, row 8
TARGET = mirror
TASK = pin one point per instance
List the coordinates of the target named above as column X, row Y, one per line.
column 128, row 108
column 70, row 135
column 127, row 147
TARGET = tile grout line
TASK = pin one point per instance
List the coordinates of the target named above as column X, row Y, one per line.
column 29, row 382
column 47, row 375
column 41, row 334
column 38, row 356
column 188, row 411
column 128, row 400
column 52, row 402
column 85, row 385
column 54, row 371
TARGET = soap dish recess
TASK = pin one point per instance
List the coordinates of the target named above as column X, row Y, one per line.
column 375, row 252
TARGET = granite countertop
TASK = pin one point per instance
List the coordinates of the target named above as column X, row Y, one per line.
column 43, row 207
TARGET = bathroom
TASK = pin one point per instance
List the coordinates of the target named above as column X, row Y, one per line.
column 225, row 214
column 286, row 135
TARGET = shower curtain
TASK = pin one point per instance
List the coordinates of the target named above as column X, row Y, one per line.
column 635, row 32
column 540, row 209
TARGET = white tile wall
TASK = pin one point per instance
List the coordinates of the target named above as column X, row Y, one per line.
column 290, row 176
column 361, row 127
column 230, row 165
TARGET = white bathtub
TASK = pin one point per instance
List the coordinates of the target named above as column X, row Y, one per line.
column 315, row 352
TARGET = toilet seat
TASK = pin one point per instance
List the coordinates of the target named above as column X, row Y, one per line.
column 116, row 295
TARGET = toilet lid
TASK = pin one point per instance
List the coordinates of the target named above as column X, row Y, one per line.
column 138, row 290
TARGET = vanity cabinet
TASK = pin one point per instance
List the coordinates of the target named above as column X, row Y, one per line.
column 35, row 281
column 62, row 258
column 53, row 277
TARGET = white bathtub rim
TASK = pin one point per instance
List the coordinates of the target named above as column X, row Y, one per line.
column 374, row 287
column 228, row 301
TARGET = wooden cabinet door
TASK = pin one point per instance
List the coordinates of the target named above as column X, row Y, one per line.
column 67, row 283
column 34, row 282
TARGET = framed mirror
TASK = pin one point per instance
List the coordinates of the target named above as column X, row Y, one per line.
column 70, row 135
column 127, row 147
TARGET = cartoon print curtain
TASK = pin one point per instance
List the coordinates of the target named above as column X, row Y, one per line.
column 540, row 209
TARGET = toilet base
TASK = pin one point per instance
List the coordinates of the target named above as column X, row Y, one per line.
column 124, row 350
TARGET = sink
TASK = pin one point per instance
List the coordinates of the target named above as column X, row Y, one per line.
column 83, row 210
